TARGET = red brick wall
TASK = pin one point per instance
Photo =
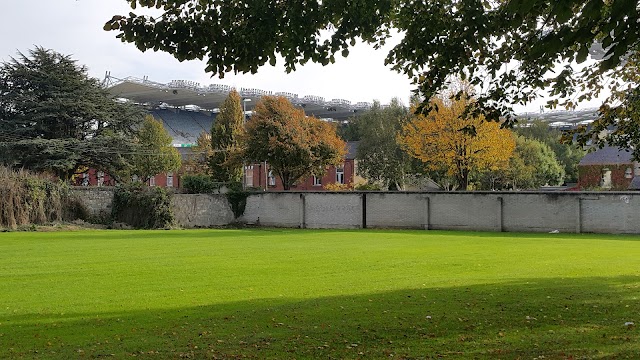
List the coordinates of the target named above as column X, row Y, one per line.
column 160, row 180
column 92, row 179
column 305, row 184
column 589, row 177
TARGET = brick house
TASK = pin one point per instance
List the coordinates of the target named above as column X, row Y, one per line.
column 608, row 168
column 257, row 176
column 93, row 177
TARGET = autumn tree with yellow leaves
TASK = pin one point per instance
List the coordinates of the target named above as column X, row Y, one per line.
column 448, row 141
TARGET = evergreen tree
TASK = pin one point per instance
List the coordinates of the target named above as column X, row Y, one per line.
column 225, row 140
column 55, row 118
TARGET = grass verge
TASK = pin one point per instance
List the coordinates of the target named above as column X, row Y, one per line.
column 272, row 293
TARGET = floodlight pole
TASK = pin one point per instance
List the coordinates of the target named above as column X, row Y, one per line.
column 244, row 107
column 244, row 170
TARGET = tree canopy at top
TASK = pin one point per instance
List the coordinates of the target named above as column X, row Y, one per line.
column 473, row 39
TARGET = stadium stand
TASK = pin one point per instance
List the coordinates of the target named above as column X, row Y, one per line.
column 184, row 126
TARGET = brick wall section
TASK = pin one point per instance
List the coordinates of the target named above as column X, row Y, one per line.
column 590, row 176
column 611, row 213
column 329, row 177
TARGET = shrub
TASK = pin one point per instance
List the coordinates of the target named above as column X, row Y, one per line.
column 200, row 184
column 338, row 187
column 366, row 187
column 27, row 198
column 237, row 198
column 142, row 206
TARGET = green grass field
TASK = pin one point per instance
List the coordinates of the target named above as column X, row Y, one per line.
column 272, row 293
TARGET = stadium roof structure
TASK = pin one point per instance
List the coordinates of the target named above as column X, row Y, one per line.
column 181, row 93
column 184, row 93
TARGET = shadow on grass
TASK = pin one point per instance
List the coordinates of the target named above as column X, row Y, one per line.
column 557, row 319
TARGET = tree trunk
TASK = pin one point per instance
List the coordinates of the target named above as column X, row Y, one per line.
column 286, row 180
column 463, row 179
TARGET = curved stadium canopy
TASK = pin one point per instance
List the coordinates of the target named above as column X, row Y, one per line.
column 179, row 93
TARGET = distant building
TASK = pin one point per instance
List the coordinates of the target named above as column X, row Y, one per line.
column 259, row 177
column 609, row 168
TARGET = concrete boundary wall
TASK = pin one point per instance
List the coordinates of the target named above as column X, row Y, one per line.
column 190, row 210
column 97, row 200
column 574, row 212
column 201, row 210
column 577, row 212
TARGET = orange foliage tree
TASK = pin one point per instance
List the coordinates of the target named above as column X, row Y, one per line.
column 447, row 140
column 294, row 145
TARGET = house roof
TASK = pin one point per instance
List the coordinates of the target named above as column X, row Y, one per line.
column 635, row 183
column 607, row 156
column 352, row 148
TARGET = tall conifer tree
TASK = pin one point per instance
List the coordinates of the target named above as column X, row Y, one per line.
column 225, row 140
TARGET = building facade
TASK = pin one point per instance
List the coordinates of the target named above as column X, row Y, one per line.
column 608, row 168
column 260, row 175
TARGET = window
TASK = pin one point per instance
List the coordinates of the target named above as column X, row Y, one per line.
column 317, row 181
column 340, row 175
column 248, row 175
column 605, row 181
column 169, row 179
column 152, row 181
column 628, row 173
column 100, row 178
column 272, row 178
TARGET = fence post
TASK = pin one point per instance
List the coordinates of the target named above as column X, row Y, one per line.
column 364, row 210
column 500, row 214
column 579, row 216
column 427, row 213
column 303, row 211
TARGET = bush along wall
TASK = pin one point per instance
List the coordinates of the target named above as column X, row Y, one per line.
column 27, row 199
column 237, row 198
column 200, row 184
column 142, row 207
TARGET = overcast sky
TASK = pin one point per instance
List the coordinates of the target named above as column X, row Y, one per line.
column 74, row 27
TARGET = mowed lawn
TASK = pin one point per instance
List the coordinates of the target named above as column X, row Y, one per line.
column 282, row 294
